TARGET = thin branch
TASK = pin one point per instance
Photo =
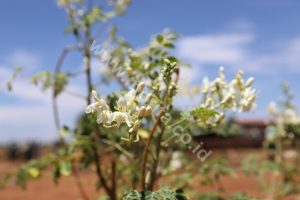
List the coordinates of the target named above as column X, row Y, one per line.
column 146, row 151
column 114, row 180
column 115, row 75
column 57, row 69
column 156, row 161
column 158, row 143
column 117, row 146
column 100, row 175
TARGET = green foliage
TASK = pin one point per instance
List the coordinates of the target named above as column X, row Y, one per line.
column 48, row 80
column 242, row 196
column 43, row 78
column 163, row 193
column 210, row 196
column 252, row 165
column 16, row 72
column 60, row 82
column 60, row 162
column 94, row 15
column 203, row 114
column 217, row 196
column 5, row 179
column 213, row 169
column 85, row 124
column 287, row 184
column 99, row 136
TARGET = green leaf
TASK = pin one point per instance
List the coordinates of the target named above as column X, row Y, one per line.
column 163, row 193
column 61, row 80
column 64, row 131
column 203, row 113
column 242, row 196
column 56, row 174
column 169, row 45
column 210, row 196
column 34, row 172
column 95, row 15
column 160, row 39
column 65, row 168
column 9, row 86
column 4, row 180
column 104, row 198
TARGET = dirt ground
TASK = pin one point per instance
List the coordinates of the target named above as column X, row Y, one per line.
column 45, row 189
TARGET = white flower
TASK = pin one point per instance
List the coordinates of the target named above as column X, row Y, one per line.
column 247, row 102
column 205, row 85
column 102, row 117
column 221, row 95
column 122, row 105
column 129, row 98
column 175, row 162
column 127, row 110
column 222, row 73
column 97, row 104
column 119, row 118
column 272, row 108
column 249, row 82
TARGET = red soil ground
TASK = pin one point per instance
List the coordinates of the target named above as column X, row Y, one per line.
column 45, row 189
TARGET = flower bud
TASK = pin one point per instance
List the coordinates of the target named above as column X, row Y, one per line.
column 249, row 82
column 136, row 126
column 142, row 112
column 167, row 61
column 148, row 98
column 129, row 71
column 222, row 73
column 140, row 88
column 148, row 112
column 220, row 118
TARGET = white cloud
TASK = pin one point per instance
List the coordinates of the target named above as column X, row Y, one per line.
column 23, row 58
column 225, row 48
column 32, row 116
column 286, row 59
column 26, row 112
column 234, row 50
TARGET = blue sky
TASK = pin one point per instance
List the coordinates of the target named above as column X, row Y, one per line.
column 262, row 37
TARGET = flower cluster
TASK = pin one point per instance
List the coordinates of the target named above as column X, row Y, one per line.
column 283, row 117
column 220, row 95
column 127, row 110
column 287, row 115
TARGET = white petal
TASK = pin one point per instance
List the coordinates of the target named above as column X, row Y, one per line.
column 122, row 105
column 128, row 119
